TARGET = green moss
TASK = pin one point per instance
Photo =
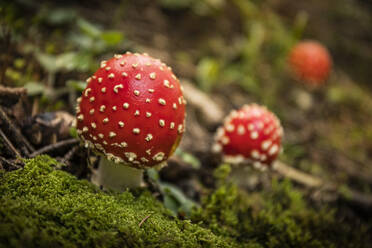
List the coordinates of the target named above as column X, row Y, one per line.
column 279, row 218
column 43, row 207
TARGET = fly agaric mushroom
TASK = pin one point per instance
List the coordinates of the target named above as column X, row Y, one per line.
column 250, row 135
column 133, row 112
column 310, row 61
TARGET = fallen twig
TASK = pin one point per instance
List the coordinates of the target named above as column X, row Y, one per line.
column 8, row 164
column 211, row 111
column 144, row 219
column 54, row 146
column 16, row 134
column 297, row 175
column 10, row 145
column 66, row 159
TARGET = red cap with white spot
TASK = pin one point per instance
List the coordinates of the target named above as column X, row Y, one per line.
column 250, row 135
column 132, row 110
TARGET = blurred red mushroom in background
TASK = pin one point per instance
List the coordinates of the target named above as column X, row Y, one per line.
column 310, row 62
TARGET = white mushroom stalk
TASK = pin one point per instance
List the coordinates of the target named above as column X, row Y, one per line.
column 116, row 176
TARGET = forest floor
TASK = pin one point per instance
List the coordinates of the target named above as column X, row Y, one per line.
column 231, row 53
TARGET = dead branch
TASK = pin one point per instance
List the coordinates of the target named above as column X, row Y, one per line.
column 15, row 133
column 298, row 176
column 211, row 111
column 196, row 134
column 66, row 159
column 8, row 165
column 55, row 146
column 144, row 219
column 9, row 145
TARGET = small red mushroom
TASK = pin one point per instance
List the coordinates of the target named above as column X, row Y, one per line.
column 133, row 112
column 310, row 62
column 250, row 135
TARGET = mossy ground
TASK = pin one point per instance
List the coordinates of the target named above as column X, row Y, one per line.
column 236, row 51
column 276, row 218
column 43, row 207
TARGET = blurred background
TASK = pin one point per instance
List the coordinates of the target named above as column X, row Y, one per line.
column 227, row 53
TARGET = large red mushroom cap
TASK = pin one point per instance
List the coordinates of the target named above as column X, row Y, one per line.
column 310, row 62
column 132, row 110
column 250, row 135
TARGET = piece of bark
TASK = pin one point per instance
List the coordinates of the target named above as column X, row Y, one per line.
column 10, row 96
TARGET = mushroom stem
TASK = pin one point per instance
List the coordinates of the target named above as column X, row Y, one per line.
column 111, row 175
